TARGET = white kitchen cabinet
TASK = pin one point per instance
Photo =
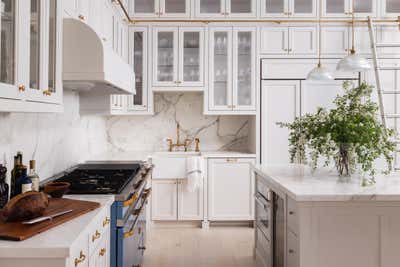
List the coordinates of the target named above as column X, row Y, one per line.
column 164, row 201
column 390, row 8
column 289, row 40
column 30, row 78
column 275, row 139
column 141, row 102
column 230, row 189
column 226, row 8
column 101, row 256
column 178, row 58
column 159, row 8
column 388, row 34
column 232, row 67
column 334, row 40
column 171, row 201
column 344, row 8
column 288, row 8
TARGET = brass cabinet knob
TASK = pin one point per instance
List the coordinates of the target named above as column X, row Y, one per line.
column 81, row 17
column 47, row 92
column 21, row 88
column 96, row 236
column 102, row 252
column 82, row 258
column 106, row 221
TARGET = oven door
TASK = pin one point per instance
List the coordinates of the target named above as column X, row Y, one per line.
column 264, row 215
column 131, row 237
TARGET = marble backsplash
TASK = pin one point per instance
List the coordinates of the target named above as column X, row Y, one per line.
column 55, row 141
column 149, row 133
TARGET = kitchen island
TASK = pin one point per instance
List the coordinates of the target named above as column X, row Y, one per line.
column 317, row 220
column 69, row 244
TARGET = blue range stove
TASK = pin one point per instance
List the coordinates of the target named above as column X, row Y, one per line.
column 130, row 183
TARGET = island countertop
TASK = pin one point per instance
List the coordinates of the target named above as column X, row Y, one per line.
column 298, row 182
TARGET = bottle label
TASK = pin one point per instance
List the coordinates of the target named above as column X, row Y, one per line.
column 35, row 185
column 26, row 188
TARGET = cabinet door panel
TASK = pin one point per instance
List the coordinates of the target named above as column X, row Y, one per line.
column 389, row 34
column 303, row 40
column 237, row 203
column 244, row 69
column 191, row 57
column 303, row 8
column 275, row 40
column 335, row 40
column 190, row 204
column 274, row 8
column 220, row 86
column 210, row 8
column 280, row 103
column 175, row 8
column 314, row 95
column 335, row 8
column 165, row 57
column 35, row 44
column 164, row 200
column 144, row 8
column 241, row 8
column 391, row 8
column 8, row 48
column 364, row 7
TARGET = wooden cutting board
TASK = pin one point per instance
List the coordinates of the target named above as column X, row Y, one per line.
column 16, row 231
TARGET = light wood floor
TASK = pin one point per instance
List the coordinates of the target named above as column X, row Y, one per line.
column 194, row 247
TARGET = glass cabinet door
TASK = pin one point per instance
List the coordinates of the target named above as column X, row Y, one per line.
column 244, row 69
column 144, row 8
column 166, row 57
column 138, row 50
column 52, row 45
column 303, row 8
column 220, row 93
column 391, row 8
column 191, row 67
column 335, row 8
column 274, row 8
column 7, row 45
column 34, row 45
column 210, row 8
column 241, row 8
column 363, row 7
column 174, row 8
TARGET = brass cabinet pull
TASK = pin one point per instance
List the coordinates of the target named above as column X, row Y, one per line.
column 81, row 17
column 130, row 201
column 47, row 92
column 96, row 236
column 102, row 252
column 231, row 160
column 82, row 258
column 21, row 88
column 106, row 221
column 128, row 234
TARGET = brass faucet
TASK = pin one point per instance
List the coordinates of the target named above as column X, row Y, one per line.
column 178, row 143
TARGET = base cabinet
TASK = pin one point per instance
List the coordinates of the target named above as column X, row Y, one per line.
column 230, row 189
column 171, row 201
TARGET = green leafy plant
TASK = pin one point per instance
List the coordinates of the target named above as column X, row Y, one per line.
column 350, row 134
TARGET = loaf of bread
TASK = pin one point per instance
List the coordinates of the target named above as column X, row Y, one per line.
column 25, row 206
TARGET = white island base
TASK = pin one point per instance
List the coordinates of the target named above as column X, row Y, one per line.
column 332, row 224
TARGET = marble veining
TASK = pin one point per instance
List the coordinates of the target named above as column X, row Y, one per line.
column 55, row 141
column 324, row 185
column 148, row 133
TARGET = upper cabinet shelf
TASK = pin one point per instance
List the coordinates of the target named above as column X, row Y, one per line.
column 30, row 76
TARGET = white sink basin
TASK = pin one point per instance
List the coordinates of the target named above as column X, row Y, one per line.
column 176, row 154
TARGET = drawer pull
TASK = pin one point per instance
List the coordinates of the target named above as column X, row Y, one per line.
column 130, row 201
column 231, row 160
column 47, row 92
column 96, row 236
column 82, row 258
column 291, row 251
column 81, row 17
column 291, row 212
column 128, row 234
column 106, row 221
column 21, row 88
column 102, row 252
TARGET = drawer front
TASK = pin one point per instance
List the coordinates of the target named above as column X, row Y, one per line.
column 100, row 228
column 293, row 256
column 292, row 216
column 263, row 250
column 80, row 253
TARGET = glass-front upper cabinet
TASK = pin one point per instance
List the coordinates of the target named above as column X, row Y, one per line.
column 288, row 8
column 225, row 8
column 232, row 84
column 34, row 44
column 160, row 8
column 178, row 57
column 345, row 8
column 390, row 8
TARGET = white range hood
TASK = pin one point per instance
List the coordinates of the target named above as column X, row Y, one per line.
column 90, row 66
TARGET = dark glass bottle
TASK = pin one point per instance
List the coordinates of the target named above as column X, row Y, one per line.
column 24, row 183
column 3, row 187
column 14, row 174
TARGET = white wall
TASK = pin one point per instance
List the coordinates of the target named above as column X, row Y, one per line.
column 56, row 141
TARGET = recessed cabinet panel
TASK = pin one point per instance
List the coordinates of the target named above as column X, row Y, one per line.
column 274, row 8
column 335, row 40
column 303, row 7
column 144, row 8
column 335, row 7
column 274, row 40
column 174, row 8
column 216, row 7
column 390, row 8
column 190, row 204
column 52, row 45
column 34, row 50
column 241, row 6
column 389, row 34
column 303, row 40
column 164, row 200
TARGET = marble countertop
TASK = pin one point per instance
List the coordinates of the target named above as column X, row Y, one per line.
column 145, row 155
column 56, row 242
column 299, row 183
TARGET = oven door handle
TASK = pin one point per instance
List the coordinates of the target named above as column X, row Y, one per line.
column 260, row 200
column 137, row 212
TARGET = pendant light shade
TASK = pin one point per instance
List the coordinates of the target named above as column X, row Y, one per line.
column 320, row 73
column 353, row 63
